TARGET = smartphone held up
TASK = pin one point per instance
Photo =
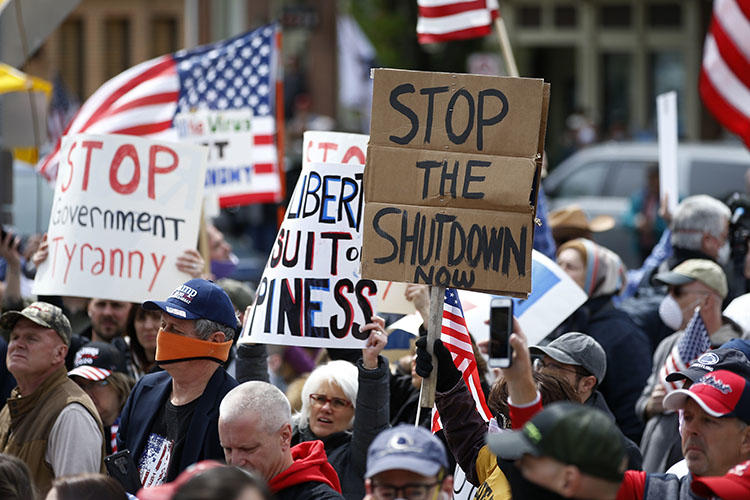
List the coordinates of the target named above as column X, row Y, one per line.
column 501, row 326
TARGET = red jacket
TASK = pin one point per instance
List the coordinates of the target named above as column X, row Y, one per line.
column 310, row 464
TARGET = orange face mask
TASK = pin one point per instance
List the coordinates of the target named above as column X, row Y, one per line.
column 171, row 347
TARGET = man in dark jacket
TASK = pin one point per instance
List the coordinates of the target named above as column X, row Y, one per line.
column 170, row 419
column 581, row 360
column 255, row 432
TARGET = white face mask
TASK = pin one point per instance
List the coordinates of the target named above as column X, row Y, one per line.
column 724, row 253
column 670, row 312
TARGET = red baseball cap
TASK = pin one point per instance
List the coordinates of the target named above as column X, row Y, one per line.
column 720, row 393
column 166, row 490
column 734, row 485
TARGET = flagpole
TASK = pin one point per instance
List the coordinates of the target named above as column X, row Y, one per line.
column 502, row 34
column 427, row 390
column 280, row 130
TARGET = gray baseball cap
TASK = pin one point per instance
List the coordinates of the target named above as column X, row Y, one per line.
column 575, row 348
column 406, row 447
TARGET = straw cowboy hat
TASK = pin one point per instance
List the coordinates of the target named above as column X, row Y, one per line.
column 571, row 222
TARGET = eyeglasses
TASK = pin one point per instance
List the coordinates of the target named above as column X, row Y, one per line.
column 319, row 400
column 412, row 491
column 90, row 384
column 540, row 363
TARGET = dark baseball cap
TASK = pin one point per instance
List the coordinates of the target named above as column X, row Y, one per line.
column 41, row 313
column 571, row 433
column 575, row 348
column 723, row 358
column 406, row 447
column 97, row 360
column 198, row 299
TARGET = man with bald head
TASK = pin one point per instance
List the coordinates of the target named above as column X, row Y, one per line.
column 255, row 431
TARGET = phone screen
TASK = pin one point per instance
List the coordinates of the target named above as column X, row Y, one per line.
column 500, row 328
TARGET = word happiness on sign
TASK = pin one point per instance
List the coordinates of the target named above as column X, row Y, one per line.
column 311, row 293
column 451, row 179
column 124, row 209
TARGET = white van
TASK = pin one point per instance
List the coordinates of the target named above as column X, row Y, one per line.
column 602, row 178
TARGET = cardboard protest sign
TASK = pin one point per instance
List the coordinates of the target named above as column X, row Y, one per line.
column 242, row 166
column 311, row 293
column 553, row 298
column 124, row 209
column 451, row 179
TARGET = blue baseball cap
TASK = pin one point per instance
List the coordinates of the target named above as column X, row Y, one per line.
column 406, row 447
column 198, row 299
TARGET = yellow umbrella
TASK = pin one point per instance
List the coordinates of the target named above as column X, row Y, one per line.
column 12, row 80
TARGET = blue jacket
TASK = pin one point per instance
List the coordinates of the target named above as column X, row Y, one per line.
column 147, row 398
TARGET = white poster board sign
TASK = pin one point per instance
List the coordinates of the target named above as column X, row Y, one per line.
column 311, row 293
column 392, row 298
column 666, row 113
column 242, row 166
column 554, row 296
column 125, row 208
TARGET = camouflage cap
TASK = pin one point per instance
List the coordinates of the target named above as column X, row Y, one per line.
column 41, row 313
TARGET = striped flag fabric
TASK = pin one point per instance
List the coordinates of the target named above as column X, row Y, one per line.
column 238, row 73
column 455, row 337
column 693, row 342
column 725, row 73
column 445, row 20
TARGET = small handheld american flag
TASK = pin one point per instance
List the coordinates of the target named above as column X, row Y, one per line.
column 455, row 337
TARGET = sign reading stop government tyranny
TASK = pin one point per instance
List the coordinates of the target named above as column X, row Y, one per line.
column 451, row 179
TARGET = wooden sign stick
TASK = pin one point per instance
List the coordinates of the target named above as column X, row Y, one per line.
column 427, row 391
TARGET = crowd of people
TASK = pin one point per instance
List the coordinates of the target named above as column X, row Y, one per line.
column 642, row 392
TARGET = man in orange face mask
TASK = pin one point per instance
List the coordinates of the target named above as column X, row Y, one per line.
column 170, row 420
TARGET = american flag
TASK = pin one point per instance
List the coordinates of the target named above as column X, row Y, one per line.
column 444, row 20
column 693, row 342
column 725, row 74
column 455, row 337
column 232, row 74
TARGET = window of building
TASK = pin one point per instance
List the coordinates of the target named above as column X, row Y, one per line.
column 664, row 15
column 615, row 16
column 163, row 36
column 116, row 46
column 530, row 16
column 566, row 16
column 616, row 94
column 666, row 73
column 71, row 56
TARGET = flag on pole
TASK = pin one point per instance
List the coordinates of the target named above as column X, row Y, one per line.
column 237, row 73
column 444, row 20
column 455, row 337
column 725, row 74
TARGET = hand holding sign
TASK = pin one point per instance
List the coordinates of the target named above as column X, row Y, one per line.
column 375, row 342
